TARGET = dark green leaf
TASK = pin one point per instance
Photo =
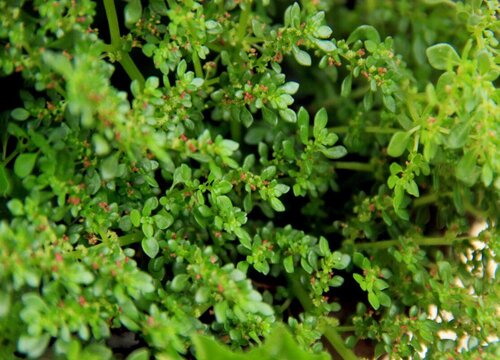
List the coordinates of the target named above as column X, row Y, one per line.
column 20, row 114
column 24, row 164
column 133, row 12
column 5, row 182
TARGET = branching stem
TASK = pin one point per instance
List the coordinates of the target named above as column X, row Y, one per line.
column 330, row 333
column 351, row 165
column 116, row 44
column 426, row 241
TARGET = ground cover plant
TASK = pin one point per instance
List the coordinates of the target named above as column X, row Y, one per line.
column 249, row 179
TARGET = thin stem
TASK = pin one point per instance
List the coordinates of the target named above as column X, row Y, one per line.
column 368, row 129
column 197, row 65
column 235, row 130
column 131, row 69
column 212, row 81
column 330, row 333
column 427, row 241
column 346, row 328
column 425, row 200
column 9, row 158
column 114, row 28
column 352, row 165
column 244, row 17
column 131, row 238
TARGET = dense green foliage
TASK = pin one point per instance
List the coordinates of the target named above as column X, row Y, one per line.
column 195, row 170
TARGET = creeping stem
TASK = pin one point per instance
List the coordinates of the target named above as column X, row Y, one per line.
column 426, row 241
column 124, row 58
column 330, row 333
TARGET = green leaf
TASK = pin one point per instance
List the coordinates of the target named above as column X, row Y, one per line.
column 202, row 295
column 182, row 174
column 487, row 175
column 373, row 300
column 179, row 282
column 458, row 136
column 223, row 187
column 289, row 148
column 288, row 264
column 5, row 182
column 139, row 354
column 320, row 121
column 466, row 169
column 220, row 311
column 149, row 205
column 302, row 57
column 389, row 103
column 412, row 188
column 159, row 7
column 163, row 220
column 109, row 167
column 398, row 143
column 276, row 204
column 133, row 12
column 20, row 114
column 24, row 164
column 246, row 117
column 148, row 229
column 303, row 122
column 33, row 346
column 323, row 246
column 135, row 217
column 345, row 88
column 279, row 345
column 366, row 32
column 244, row 238
column 288, row 115
column 16, row 207
column 335, row 152
column 269, row 116
column 290, row 87
column 323, row 32
column 101, row 146
column 384, row 299
column 150, row 246
column 441, row 56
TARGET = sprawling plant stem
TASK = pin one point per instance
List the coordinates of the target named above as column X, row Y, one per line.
column 330, row 333
column 116, row 44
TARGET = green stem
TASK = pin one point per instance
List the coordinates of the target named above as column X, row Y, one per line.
column 351, row 165
column 131, row 69
column 114, row 30
column 345, row 328
column 244, row 17
column 330, row 333
column 235, row 130
column 131, row 238
column 197, row 65
column 212, row 81
column 9, row 158
column 425, row 200
column 427, row 241
column 368, row 129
